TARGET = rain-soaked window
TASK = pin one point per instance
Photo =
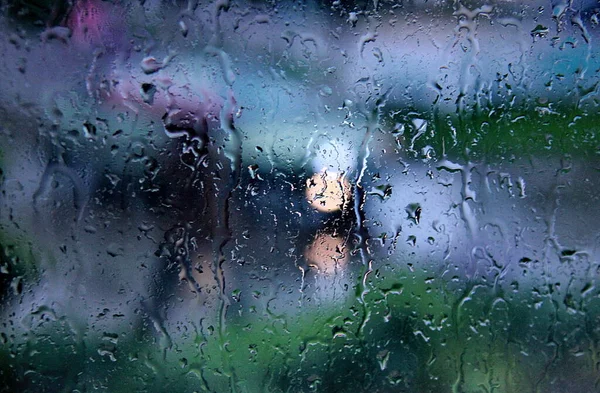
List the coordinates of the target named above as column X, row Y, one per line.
column 300, row 196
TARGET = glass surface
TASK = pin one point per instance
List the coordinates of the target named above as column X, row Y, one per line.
column 299, row 196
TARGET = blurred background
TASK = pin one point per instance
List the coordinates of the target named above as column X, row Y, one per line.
column 299, row 196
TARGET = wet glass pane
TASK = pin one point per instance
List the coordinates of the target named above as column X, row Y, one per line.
column 299, row 196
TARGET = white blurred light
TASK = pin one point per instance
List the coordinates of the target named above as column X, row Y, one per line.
column 328, row 191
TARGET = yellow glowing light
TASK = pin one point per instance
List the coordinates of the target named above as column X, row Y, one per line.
column 328, row 191
column 327, row 253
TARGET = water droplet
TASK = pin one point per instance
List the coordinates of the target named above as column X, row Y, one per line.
column 383, row 191
column 414, row 212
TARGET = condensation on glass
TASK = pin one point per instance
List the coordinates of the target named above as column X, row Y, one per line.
column 295, row 196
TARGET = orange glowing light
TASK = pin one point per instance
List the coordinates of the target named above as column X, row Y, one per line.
column 327, row 253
